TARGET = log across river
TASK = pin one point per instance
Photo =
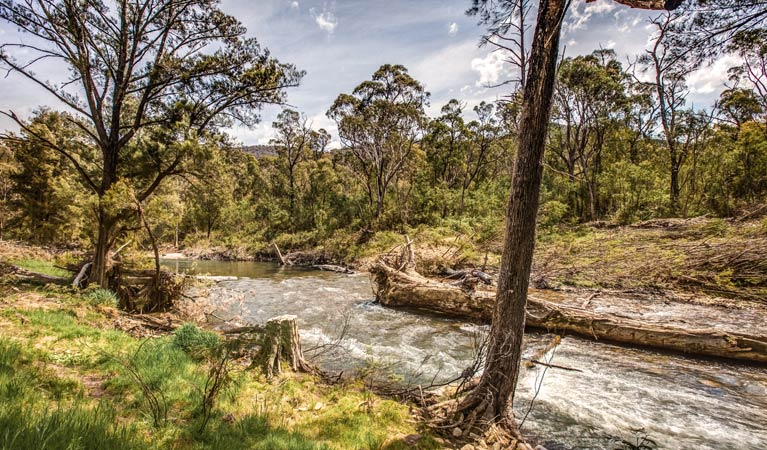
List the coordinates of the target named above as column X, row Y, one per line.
column 410, row 289
column 682, row 402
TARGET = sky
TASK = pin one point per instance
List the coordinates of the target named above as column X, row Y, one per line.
column 341, row 43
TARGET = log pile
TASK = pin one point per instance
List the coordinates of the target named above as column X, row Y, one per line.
column 410, row 289
column 145, row 291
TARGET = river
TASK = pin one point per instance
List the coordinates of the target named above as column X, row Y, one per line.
column 681, row 403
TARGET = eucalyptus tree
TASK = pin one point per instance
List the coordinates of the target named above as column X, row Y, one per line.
column 508, row 30
column 589, row 99
column 294, row 141
column 680, row 127
column 129, row 66
column 481, row 153
column 490, row 402
column 708, row 27
column 380, row 124
column 8, row 167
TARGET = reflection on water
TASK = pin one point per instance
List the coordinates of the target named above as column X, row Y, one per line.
column 681, row 403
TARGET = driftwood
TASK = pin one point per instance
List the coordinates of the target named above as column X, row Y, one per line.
column 282, row 260
column 145, row 291
column 410, row 289
column 81, row 279
column 333, row 268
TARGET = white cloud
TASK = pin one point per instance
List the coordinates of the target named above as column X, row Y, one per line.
column 490, row 68
column 708, row 80
column 452, row 29
column 581, row 14
column 294, row 5
column 326, row 21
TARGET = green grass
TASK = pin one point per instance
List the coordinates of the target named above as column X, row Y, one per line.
column 65, row 383
column 41, row 266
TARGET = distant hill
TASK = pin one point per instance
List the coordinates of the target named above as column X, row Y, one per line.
column 259, row 151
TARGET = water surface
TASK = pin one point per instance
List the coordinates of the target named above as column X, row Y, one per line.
column 682, row 403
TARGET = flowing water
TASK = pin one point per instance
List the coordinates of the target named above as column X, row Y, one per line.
column 681, row 403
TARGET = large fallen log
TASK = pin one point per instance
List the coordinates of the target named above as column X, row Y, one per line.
column 410, row 289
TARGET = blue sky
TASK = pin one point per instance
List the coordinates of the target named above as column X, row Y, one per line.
column 341, row 43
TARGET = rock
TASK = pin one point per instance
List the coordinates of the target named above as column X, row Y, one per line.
column 318, row 406
column 539, row 447
column 467, row 447
column 457, row 432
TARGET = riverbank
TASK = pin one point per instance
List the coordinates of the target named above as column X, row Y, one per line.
column 712, row 258
column 74, row 369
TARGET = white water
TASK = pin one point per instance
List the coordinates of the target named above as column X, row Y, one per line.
column 681, row 403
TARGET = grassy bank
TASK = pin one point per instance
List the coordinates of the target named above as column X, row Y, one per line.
column 698, row 256
column 70, row 380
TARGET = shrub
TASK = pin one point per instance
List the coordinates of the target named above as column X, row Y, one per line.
column 195, row 341
column 100, row 296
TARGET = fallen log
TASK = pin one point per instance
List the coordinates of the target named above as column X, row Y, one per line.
column 410, row 289
column 333, row 268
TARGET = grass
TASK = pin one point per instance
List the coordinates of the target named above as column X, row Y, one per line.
column 64, row 384
column 41, row 266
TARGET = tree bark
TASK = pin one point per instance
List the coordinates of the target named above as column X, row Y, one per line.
column 493, row 397
column 101, row 252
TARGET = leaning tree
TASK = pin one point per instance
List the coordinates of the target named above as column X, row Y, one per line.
column 146, row 81
column 490, row 402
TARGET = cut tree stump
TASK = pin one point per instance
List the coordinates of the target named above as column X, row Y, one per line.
column 273, row 344
column 410, row 289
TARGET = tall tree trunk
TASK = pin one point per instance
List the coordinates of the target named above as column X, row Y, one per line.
column 494, row 395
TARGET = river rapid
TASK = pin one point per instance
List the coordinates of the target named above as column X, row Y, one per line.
column 681, row 403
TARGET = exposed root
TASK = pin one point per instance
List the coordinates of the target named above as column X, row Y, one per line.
column 471, row 419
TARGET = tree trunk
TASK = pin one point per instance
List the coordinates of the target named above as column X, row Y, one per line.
column 674, row 182
column 491, row 401
column 101, row 252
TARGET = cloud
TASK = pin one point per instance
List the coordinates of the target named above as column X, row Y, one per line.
column 452, row 29
column 581, row 14
column 326, row 21
column 294, row 5
column 490, row 68
column 709, row 80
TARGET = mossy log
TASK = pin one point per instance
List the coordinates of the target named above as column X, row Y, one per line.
column 275, row 343
column 410, row 289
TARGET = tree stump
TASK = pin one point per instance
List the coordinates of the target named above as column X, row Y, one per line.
column 282, row 342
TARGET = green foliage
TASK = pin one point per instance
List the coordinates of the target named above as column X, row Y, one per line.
column 64, row 428
column 98, row 296
column 195, row 341
column 42, row 266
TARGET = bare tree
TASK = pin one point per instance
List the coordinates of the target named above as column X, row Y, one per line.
column 181, row 65
column 507, row 31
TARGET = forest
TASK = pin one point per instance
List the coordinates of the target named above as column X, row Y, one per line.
column 158, row 276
